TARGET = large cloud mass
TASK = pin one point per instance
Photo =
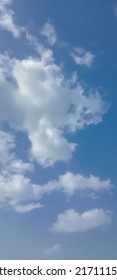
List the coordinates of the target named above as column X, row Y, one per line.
column 46, row 105
column 37, row 99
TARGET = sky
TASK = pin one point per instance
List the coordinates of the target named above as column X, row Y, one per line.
column 58, row 67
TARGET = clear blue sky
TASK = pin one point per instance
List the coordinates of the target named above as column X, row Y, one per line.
column 58, row 68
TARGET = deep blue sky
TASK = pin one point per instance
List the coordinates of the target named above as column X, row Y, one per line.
column 34, row 93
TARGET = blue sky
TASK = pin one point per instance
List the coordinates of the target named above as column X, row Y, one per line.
column 58, row 136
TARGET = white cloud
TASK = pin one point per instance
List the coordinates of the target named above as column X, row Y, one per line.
column 71, row 183
column 82, row 57
column 46, row 106
column 8, row 160
column 18, row 166
column 49, row 32
column 36, row 98
column 34, row 42
column 71, row 221
column 52, row 250
column 18, row 192
column 7, row 21
column 26, row 208
column 15, row 188
column 55, row 106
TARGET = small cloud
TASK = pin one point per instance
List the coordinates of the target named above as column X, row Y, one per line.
column 71, row 221
column 49, row 32
column 51, row 250
column 82, row 57
column 26, row 208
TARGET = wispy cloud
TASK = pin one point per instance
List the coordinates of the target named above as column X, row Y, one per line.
column 82, row 57
column 52, row 250
column 115, row 9
column 6, row 146
column 72, row 221
column 49, row 32
column 7, row 19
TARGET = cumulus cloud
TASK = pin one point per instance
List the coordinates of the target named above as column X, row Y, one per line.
column 8, row 159
column 7, row 21
column 15, row 187
column 17, row 191
column 18, row 166
column 72, row 221
column 49, row 32
column 70, row 183
column 55, row 106
column 36, row 98
column 53, row 249
column 82, row 57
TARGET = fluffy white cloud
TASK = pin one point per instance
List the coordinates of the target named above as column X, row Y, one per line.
column 18, row 166
column 53, row 249
column 15, row 188
column 71, row 221
column 46, row 105
column 7, row 19
column 18, row 192
column 49, row 32
column 8, row 160
column 82, row 57
column 71, row 183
